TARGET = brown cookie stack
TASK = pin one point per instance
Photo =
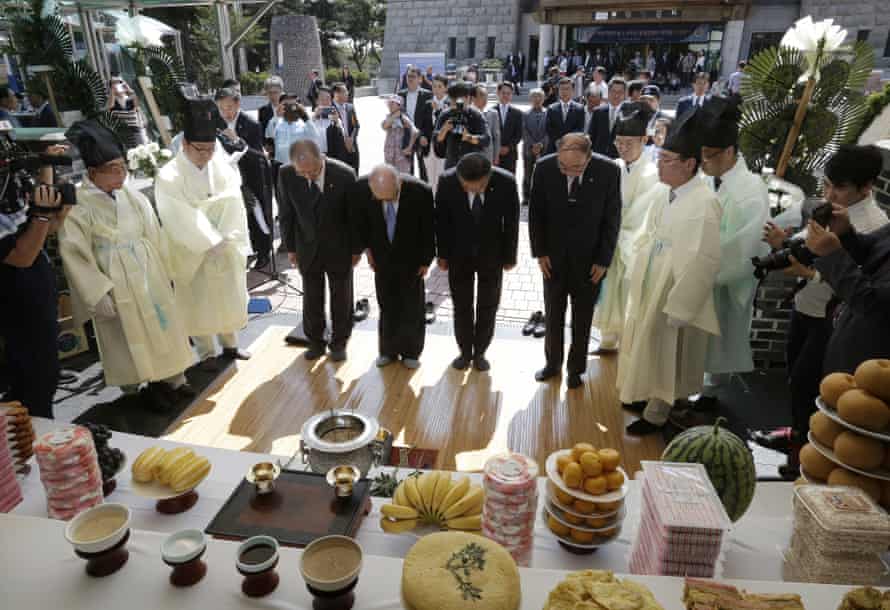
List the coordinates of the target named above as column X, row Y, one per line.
column 19, row 434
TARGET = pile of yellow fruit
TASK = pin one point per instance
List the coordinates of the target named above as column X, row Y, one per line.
column 590, row 470
column 433, row 498
column 179, row 469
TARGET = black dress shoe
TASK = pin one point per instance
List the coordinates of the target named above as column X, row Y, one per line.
column 461, row 363
column 779, row 439
column 186, row 391
column 362, row 310
column 540, row 327
column 574, row 381
column 634, row 407
column 641, row 427
column 262, row 261
column 546, row 373
column 234, row 353
column 157, row 397
column 314, row 352
column 209, row 365
column 429, row 312
column 481, row 364
column 705, row 404
column 533, row 320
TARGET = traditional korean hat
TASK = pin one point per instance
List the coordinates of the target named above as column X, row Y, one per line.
column 684, row 136
column 633, row 119
column 720, row 122
column 97, row 144
column 201, row 120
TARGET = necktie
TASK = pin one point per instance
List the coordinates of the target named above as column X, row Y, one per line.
column 503, row 115
column 717, row 182
column 671, row 197
column 390, row 221
column 565, row 111
column 573, row 189
column 477, row 208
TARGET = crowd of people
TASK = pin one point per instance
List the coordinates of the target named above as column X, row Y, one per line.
column 644, row 226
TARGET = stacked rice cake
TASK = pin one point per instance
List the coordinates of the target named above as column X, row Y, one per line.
column 19, row 434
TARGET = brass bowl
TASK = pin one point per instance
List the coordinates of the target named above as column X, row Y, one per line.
column 263, row 475
column 343, row 478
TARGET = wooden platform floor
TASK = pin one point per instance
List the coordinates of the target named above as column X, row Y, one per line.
column 467, row 416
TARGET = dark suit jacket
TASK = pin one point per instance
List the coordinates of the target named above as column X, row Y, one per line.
column 685, row 103
column 253, row 164
column 602, row 137
column 267, row 113
column 427, row 123
column 351, row 127
column 312, row 94
column 511, row 130
column 494, row 242
column 322, row 231
column 423, row 96
column 453, row 148
column 584, row 232
column 557, row 128
column 414, row 243
column 859, row 274
column 336, row 144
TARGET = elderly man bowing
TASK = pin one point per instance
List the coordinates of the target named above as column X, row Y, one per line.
column 199, row 201
column 115, row 259
column 396, row 219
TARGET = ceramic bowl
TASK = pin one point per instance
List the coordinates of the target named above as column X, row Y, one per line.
column 331, row 585
column 183, row 546
column 257, row 568
column 101, row 544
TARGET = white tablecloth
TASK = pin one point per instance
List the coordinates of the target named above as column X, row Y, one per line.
column 753, row 552
column 40, row 571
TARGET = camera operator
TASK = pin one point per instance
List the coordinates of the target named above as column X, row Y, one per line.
column 849, row 177
column 29, row 310
column 461, row 129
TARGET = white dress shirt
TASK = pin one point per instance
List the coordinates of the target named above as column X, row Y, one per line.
column 411, row 103
column 472, row 196
column 504, row 109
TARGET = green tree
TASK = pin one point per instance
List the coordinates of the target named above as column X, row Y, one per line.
column 361, row 23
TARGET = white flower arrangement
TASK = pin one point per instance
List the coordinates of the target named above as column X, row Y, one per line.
column 148, row 158
column 138, row 31
column 815, row 39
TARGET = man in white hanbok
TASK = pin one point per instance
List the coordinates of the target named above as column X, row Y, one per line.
column 115, row 259
column 670, row 309
column 199, row 201
column 638, row 175
column 744, row 202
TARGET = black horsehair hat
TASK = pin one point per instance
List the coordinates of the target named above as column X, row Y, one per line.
column 720, row 122
column 633, row 119
column 97, row 144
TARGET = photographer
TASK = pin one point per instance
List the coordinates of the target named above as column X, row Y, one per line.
column 330, row 127
column 29, row 310
column 461, row 129
column 849, row 177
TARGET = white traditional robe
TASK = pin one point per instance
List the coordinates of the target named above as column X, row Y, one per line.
column 115, row 244
column 199, row 209
column 674, row 270
column 744, row 202
column 612, row 304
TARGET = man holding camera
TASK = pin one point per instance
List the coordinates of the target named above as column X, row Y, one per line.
column 329, row 125
column 849, row 178
column 28, row 309
column 201, row 208
column 461, row 129
column 116, row 262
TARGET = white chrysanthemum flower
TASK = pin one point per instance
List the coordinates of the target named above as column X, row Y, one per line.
column 138, row 30
column 133, row 164
column 166, row 154
column 153, row 147
column 806, row 36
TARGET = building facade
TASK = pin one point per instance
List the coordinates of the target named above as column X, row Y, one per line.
column 867, row 20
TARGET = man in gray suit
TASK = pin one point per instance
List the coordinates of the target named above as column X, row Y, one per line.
column 492, row 119
column 534, row 138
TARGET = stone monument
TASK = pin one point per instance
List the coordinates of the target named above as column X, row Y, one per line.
column 295, row 50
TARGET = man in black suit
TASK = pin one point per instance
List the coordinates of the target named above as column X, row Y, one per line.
column 330, row 126
column 319, row 229
column 349, row 123
column 44, row 116
column 477, row 231
column 274, row 89
column 243, row 136
column 315, row 83
column 461, row 129
column 564, row 116
column 414, row 105
column 574, row 216
column 396, row 224
column 511, row 127
column 602, row 125
column 699, row 96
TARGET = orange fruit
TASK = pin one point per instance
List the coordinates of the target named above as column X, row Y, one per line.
column 573, row 475
column 608, row 507
column 583, row 507
column 580, row 449
column 596, row 486
column 614, row 480
column 556, row 527
column 581, row 536
column 591, row 465
column 609, row 458
column 597, row 522
column 562, row 461
column 572, row 519
column 564, row 498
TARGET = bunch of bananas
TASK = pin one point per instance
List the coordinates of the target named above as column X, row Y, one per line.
column 179, row 469
column 433, row 498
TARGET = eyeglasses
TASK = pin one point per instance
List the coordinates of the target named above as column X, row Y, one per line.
column 112, row 168
column 204, row 151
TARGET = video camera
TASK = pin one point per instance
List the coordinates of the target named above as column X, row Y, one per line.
column 459, row 92
column 18, row 166
column 781, row 259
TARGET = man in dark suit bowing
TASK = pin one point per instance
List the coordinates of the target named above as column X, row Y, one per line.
column 396, row 224
column 319, row 228
column 511, row 127
column 699, row 96
column 477, row 231
column 414, row 104
column 348, row 123
column 602, row 125
column 244, row 137
column 574, row 216
column 563, row 116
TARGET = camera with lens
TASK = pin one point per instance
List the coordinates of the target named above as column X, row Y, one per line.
column 18, row 166
column 459, row 92
column 291, row 111
column 796, row 247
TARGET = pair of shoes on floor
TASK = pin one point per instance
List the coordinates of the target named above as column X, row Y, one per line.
column 463, row 362
column 317, row 351
column 235, row 353
column 536, row 325
column 573, row 381
column 408, row 363
column 598, row 349
column 641, row 427
column 429, row 312
column 160, row 397
column 362, row 310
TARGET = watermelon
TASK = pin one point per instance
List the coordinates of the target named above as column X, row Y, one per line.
column 727, row 459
